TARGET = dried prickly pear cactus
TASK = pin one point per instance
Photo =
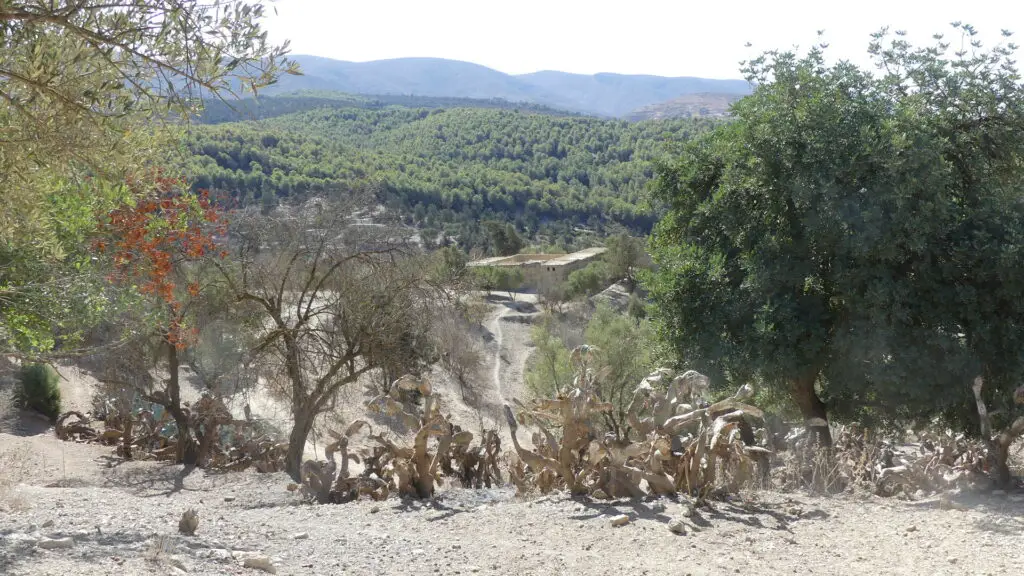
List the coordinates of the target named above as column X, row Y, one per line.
column 438, row 448
column 682, row 447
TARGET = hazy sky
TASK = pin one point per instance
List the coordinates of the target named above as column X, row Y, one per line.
column 663, row 37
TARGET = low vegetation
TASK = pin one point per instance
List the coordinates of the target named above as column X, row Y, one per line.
column 40, row 389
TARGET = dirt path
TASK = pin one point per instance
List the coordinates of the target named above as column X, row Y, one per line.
column 499, row 339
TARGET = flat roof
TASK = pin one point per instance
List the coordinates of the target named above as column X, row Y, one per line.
column 576, row 256
column 546, row 259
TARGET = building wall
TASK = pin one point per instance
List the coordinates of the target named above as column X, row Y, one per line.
column 544, row 271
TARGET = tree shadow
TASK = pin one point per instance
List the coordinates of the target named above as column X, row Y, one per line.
column 152, row 481
column 750, row 514
column 103, row 549
column 638, row 509
column 25, row 423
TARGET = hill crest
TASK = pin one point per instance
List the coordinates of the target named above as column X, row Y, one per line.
column 603, row 94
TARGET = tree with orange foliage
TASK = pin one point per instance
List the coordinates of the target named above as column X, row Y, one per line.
column 157, row 246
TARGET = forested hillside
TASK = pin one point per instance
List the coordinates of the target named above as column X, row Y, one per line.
column 448, row 169
column 217, row 111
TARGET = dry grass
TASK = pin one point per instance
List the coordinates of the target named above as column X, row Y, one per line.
column 14, row 462
column 14, row 469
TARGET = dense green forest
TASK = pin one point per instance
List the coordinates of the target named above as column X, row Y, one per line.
column 217, row 111
column 448, row 170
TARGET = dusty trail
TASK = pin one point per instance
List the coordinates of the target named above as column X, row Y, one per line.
column 499, row 340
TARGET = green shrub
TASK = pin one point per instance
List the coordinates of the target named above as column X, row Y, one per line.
column 40, row 390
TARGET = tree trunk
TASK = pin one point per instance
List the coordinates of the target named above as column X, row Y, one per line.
column 999, row 449
column 211, row 431
column 303, row 423
column 128, row 422
column 187, row 452
column 811, row 408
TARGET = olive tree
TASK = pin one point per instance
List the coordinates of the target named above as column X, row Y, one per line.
column 90, row 93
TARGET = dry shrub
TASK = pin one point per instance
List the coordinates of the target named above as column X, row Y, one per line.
column 861, row 459
column 680, row 448
column 439, row 448
column 225, row 443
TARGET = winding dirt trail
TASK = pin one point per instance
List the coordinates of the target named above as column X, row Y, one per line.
column 499, row 341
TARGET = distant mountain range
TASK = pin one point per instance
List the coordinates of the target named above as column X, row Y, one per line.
column 610, row 95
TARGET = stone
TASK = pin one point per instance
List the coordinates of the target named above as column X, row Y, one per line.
column 677, row 527
column 620, row 520
column 301, row 536
column 220, row 555
column 189, row 522
column 260, row 563
column 952, row 559
column 815, row 514
column 56, row 543
column 229, row 498
column 375, row 510
column 24, row 539
column 911, row 528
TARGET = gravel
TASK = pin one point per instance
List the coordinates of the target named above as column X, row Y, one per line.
column 125, row 522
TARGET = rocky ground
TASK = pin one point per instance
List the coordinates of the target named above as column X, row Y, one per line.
column 122, row 518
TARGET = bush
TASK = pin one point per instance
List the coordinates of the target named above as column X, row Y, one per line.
column 40, row 390
column 588, row 281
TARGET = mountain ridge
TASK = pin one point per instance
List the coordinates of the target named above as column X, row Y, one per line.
column 605, row 94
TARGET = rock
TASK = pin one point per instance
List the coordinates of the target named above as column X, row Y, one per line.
column 600, row 494
column 56, row 543
column 48, row 523
column 260, row 563
column 688, row 510
column 220, row 555
column 911, row 528
column 419, row 552
column 301, row 536
column 189, row 522
column 677, row 527
column 375, row 509
column 620, row 520
column 177, row 563
column 292, row 487
column 952, row 559
column 229, row 498
column 24, row 539
column 815, row 514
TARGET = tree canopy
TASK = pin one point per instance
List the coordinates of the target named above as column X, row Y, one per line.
column 90, row 94
column 854, row 237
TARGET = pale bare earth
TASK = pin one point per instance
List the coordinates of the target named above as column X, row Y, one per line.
column 122, row 517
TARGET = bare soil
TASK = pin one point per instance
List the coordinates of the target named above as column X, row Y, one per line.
column 123, row 517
